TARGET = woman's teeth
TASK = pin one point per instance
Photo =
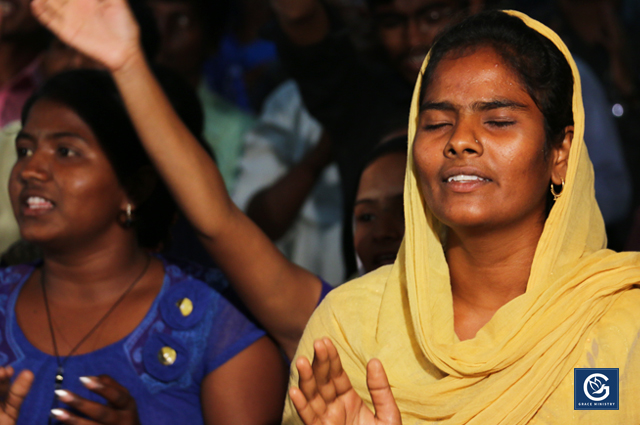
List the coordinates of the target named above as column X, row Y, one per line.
column 465, row 178
column 36, row 202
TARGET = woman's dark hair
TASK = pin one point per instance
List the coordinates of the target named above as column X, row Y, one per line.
column 542, row 69
column 396, row 144
column 94, row 97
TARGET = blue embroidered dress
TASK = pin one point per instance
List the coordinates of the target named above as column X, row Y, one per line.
column 205, row 338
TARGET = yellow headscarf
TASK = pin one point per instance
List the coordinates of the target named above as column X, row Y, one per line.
column 403, row 314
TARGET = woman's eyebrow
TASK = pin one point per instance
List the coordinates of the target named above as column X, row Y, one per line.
column 437, row 106
column 477, row 106
column 67, row 135
column 498, row 104
column 24, row 135
column 58, row 135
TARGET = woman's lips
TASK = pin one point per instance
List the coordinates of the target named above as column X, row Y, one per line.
column 37, row 205
column 465, row 182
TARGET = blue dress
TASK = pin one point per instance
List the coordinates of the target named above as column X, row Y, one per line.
column 204, row 339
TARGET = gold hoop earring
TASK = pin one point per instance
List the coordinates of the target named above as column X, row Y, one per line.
column 555, row 194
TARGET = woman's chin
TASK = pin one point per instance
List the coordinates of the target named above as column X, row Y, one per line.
column 467, row 221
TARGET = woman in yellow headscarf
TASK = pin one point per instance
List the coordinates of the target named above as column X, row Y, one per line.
column 503, row 285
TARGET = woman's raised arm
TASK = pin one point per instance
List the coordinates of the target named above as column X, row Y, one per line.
column 280, row 294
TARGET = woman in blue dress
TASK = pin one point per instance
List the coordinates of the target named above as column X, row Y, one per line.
column 110, row 333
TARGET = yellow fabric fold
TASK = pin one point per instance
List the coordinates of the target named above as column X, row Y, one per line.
column 519, row 367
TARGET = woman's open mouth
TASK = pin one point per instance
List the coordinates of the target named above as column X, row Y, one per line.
column 36, row 205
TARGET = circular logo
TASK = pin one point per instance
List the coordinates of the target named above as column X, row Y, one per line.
column 595, row 388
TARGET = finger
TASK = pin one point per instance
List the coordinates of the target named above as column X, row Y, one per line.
column 65, row 417
column 47, row 11
column 116, row 395
column 383, row 401
column 308, row 386
column 338, row 375
column 96, row 411
column 17, row 393
column 5, row 380
column 305, row 411
column 322, row 370
column 6, row 373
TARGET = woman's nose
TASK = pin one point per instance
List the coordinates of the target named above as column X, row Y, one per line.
column 34, row 167
column 463, row 142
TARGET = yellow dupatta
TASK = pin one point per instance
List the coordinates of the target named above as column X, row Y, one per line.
column 403, row 314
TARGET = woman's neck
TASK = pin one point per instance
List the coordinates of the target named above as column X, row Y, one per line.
column 89, row 274
column 487, row 270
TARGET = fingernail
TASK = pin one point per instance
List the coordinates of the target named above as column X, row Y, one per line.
column 60, row 414
column 90, row 382
column 64, row 395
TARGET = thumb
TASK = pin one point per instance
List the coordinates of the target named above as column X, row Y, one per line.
column 383, row 402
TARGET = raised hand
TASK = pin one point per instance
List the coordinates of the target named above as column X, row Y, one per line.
column 12, row 394
column 119, row 410
column 326, row 397
column 104, row 30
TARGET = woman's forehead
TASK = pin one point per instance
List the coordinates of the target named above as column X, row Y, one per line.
column 465, row 79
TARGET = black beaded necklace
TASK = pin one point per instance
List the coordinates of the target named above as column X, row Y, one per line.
column 61, row 361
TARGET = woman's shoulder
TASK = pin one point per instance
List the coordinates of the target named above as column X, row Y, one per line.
column 191, row 331
column 356, row 301
column 193, row 291
column 190, row 273
column 368, row 288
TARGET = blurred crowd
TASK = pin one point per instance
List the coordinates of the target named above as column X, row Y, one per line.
column 305, row 110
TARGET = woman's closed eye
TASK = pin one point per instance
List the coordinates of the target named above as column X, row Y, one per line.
column 435, row 126
column 500, row 123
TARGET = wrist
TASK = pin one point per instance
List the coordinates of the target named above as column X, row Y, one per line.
column 133, row 63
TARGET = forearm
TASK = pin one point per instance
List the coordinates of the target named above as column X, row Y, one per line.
column 304, row 21
column 275, row 208
column 173, row 150
column 280, row 294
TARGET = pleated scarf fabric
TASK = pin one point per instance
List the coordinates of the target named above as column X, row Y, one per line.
column 403, row 314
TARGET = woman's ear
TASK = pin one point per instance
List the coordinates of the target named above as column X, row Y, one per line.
column 560, row 157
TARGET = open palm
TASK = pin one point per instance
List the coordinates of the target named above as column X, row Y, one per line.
column 104, row 30
column 325, row 395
